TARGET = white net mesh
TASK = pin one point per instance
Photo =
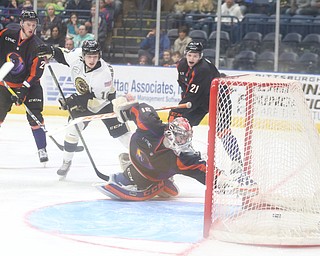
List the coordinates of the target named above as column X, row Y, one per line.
column 269, row 189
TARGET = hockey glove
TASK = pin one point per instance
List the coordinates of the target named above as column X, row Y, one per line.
column 44, row 50
column 76, row 102
column 121, row 106
column 21, row 94
column 173, row 115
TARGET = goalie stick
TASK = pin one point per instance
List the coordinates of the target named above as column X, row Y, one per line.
column 110, row 115
column 99, row 174
column 183, row 105
column 83, row 119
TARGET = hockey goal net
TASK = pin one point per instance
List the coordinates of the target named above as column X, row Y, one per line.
column 280, row 152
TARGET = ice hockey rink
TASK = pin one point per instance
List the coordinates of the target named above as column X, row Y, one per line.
column 41, row 215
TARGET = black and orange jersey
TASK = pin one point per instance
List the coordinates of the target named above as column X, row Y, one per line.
column 195, row 83
column 28, row 68
column 148, row 154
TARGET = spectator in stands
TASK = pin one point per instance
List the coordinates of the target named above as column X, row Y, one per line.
column 148, row 45
column 82, row 36
column 302, row 7
column 117, row 9
column 4, row 3
column 73, row 25
column 284, row 6
column 315, row 5
column 13, row 12
column 242, row 4
column 56, row 39
column 166, row 60
column 191, row 10
column 182, row 41
column 81, row 7
column 107, row 8
column 176, row 56
column 232, row 9
column 176, row 17
column 69, row 44
column 102, row 25
column 26, row 5
column 192, row 6
column 207, row 6
column 3, row 19
column 58, row 7
column 143, row 60
column 206, row 9
column 49, row 21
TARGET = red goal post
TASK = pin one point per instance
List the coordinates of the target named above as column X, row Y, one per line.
column 280, row 150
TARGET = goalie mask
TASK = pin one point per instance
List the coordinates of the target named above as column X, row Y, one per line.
column 178, row 135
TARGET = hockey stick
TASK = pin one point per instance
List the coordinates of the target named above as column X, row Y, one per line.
column 34, row 117
column 83, row 119
column 109, row 115
column 183, row 105
column 5, row 69
column 99, row 174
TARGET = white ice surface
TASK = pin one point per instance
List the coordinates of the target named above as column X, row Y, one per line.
column 25, row 186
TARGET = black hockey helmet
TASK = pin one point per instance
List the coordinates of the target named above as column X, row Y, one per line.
column 29, row 15
column 91, row 46
column 194, row 47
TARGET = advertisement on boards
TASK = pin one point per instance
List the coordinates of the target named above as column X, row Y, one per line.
column 158, row 86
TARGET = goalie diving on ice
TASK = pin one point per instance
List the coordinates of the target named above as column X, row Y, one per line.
column 157, row 152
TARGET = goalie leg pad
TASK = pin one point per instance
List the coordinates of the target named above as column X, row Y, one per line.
column 131, row 193
column 170, row 189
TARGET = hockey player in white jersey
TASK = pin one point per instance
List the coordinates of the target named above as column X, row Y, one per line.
column 93, row 79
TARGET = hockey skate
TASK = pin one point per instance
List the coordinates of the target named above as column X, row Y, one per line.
column 236, row 183
column 43, row 155
column 64, row 169
column 225, row 184
column 246, row 185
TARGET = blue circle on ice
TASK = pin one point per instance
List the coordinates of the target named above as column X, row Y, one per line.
column 150, row 220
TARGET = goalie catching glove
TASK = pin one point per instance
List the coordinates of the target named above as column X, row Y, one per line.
column 76, row 102
column 44, row 50
column 121, row 105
